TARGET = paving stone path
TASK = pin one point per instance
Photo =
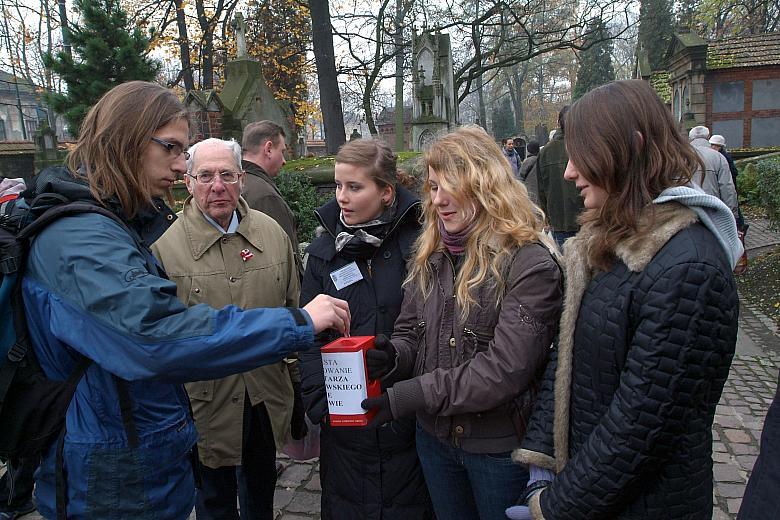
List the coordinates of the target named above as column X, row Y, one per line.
column 736, row 431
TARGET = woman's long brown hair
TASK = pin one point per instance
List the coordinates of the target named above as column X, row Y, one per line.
column 622, row 138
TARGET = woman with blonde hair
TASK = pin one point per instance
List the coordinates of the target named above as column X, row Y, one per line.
column 480, row 311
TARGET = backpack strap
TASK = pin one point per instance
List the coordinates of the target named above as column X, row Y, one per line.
column 71, row 208
column 126, row 409
column 18, row 350
column 61, row 490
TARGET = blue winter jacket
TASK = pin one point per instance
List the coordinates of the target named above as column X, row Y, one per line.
column 89, row 288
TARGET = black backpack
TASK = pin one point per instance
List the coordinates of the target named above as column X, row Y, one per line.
column 33, row 407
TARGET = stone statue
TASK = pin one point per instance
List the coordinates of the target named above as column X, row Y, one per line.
column 240, row 26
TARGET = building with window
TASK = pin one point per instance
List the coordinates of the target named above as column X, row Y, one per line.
column 731, row 86
column 33, row 109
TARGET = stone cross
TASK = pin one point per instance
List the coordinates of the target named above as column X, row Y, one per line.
column 240, row 26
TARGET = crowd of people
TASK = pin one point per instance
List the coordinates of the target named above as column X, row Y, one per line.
column 552, row 335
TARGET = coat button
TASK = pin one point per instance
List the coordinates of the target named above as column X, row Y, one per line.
column 452, row 342
column 459, row 430
column 386, row 255
column 224, row 240
column 235, row 398
column 169, row 217
column 233, row 279
column 197, row 290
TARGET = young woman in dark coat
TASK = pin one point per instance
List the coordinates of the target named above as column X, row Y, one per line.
column 648, row 329
column 370, row 227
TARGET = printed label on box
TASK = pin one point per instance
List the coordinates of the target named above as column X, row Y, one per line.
column 345, row 382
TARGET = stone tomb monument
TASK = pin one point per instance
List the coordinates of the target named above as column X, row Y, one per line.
column 434, row 107
column 245, row 97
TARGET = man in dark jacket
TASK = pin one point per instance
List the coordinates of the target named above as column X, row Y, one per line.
column 264, row 147
column 559, row 199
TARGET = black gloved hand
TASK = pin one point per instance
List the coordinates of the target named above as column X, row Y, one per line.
column 298, row 428
column 380, row 360
column 384, row 414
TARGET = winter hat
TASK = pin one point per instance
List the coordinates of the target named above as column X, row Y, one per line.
column 718, row 139
column 698, row 132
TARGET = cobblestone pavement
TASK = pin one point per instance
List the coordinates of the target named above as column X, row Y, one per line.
column 760, row 237
column 736, row 431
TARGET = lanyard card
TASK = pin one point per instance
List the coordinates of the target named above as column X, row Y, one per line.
column 346, row 276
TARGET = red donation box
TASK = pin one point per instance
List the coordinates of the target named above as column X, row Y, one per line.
column 346, row 380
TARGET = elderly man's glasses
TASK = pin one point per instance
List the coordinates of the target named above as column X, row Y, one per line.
column 174, row 148
column 206, row 178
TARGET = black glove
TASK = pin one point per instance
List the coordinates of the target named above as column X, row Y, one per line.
column 298, row 428
column 380, row 360
column 384, row 414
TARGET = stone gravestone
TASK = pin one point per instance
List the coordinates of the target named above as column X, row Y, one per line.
column 46, row 153
column 434, row 108
column 246, row 96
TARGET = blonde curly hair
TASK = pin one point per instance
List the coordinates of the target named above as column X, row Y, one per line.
column 471, row 167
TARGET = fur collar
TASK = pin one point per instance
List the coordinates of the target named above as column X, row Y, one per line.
column 636, row 252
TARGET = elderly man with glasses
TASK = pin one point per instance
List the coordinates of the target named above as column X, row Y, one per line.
column 221, row 252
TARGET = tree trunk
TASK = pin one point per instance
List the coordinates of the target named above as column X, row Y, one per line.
column 64, row 27
column 477, row 37
column 516, row 80
column 330, row 96
column 206, row 46
column 184, row 47
column 399, row 78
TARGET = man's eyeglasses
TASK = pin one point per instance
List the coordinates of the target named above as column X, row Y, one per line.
column 227, row 177
column 174, row 148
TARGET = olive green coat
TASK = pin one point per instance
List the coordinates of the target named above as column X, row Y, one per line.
column 207, row 267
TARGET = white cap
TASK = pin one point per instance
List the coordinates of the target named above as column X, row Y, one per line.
column 718, row 139
column 698, row 132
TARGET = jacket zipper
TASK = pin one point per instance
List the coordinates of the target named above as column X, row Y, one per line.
column 452, row 343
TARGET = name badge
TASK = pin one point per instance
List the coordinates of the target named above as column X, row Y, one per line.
column 346, row 276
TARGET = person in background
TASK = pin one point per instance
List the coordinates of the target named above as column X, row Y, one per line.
column 622, row 428
column 93, row 292
column 512, row 156
column 558, row 197
column 263, row 145
column 528, row 172
column 714, row 178
column 718, row 143
column 368, row 230
column 480, row 311
column 221, row 252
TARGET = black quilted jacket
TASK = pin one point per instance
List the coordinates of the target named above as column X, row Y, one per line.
column 643, row 354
